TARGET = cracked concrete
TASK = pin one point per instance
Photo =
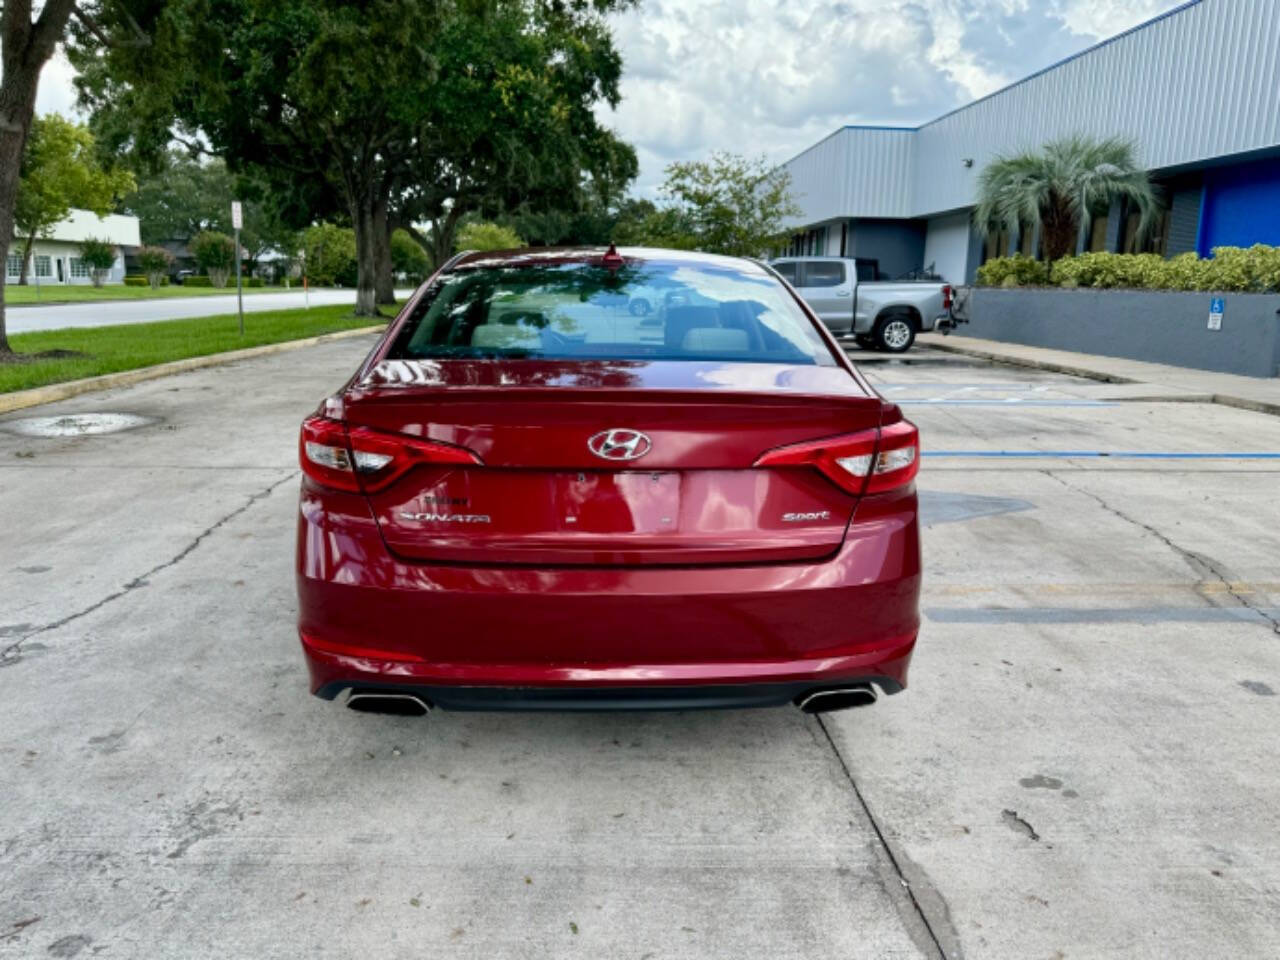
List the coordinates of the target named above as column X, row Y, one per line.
column 170, row 789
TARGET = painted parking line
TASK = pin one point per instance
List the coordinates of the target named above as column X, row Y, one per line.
column 1069, row 615
column 1108, row 454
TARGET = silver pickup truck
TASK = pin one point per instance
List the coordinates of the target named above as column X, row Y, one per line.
column 879, row 314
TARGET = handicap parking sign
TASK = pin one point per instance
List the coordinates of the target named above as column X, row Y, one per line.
column 1217, row 306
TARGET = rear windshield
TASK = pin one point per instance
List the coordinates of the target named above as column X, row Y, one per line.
column 640, row 311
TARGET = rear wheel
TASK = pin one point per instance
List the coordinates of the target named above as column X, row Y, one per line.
column 895, row 333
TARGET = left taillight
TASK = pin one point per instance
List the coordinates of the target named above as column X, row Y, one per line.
column 359, row 459
column 867, row 462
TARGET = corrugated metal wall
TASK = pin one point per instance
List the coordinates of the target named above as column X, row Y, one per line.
column 1199, row 83
column 863, row 171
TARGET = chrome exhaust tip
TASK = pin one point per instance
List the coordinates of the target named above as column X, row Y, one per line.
column 395, row 704
column 839, row 698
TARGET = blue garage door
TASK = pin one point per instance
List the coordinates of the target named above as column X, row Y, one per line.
column 1241, row 206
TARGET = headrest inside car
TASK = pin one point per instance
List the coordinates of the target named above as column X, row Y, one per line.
column 715, row 340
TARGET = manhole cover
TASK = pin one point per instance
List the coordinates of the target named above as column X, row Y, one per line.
column 75, row 424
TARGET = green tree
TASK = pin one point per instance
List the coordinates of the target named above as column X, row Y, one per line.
column 216, row 255
column 181, row 197
column 59, row 171
column 408, row 260
column 482, row 235
column 1058, row 189
column 100, row 257
column 727, row 204
column 155, row 263
column 329, row 255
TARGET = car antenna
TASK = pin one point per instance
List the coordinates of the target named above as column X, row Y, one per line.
column 612, row 258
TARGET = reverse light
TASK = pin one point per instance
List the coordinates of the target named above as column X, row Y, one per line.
column 358, row 458
column 871, row 461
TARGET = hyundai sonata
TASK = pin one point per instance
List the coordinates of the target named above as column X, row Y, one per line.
column 533, row 494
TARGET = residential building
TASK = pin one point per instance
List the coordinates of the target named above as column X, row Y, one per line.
column 55, row 259
column 1196, row 89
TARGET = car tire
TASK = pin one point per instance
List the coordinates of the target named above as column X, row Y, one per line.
column 895, row 333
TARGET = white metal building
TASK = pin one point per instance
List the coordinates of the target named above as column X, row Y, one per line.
column 1197, row 89
column 56, row 259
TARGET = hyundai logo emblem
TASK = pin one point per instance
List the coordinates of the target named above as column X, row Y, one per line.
column 617, row 444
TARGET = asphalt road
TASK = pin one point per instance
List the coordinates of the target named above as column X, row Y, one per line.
column 106, row 312
column 1083, row 766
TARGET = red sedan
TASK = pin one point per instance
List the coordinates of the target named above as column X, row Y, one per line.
column 585, row 479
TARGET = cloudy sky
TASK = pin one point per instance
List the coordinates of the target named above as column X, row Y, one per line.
column 773, row 76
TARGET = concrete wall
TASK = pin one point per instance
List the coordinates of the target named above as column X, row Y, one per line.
column 1157, row 326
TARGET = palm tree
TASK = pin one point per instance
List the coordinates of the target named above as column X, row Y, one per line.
column 1060, row 187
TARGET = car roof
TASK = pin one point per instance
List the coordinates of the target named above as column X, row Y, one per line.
column 558, row 256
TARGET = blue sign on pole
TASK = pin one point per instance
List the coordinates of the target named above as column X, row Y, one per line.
column 1217, row 307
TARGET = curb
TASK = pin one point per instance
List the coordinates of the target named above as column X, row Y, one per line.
column 1222, row 399
column 21, row 399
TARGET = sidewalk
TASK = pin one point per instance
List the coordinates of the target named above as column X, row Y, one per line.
column 1165, row 382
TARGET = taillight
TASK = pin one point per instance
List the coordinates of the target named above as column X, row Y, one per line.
column 872, row 461
column 946, row 296
column 358, row 458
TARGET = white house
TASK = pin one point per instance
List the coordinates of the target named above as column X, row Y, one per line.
column 56, row 259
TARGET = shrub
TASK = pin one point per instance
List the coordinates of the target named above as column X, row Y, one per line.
column 482, row 235
column 1014, row 271
column 1254, row 269
column 135, row 281
column 197, row 281
column 100, row 257
column 408, row 259
column 216, row 255
column 154, row 262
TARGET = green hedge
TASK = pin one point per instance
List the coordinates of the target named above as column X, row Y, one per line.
column 1254, row 269
column 135, row 281
column 197, row 282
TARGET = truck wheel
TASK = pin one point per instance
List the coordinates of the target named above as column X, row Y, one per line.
column 895, row 333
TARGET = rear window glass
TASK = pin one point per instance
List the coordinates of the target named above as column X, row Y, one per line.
column 641, row 311
column 788, row 271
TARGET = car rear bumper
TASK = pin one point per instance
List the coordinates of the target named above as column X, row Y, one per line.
column 552, row 637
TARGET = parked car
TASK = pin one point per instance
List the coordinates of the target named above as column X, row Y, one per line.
column 879, row 314
column 526, row 497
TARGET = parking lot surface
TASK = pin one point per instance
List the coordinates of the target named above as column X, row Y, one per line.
column 1083, row 765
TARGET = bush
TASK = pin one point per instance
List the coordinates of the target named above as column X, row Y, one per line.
column 197, row 281
column 100, row 256
column 216, row 255
column 155, row 262
column 135, row 281
column 1254, row 269
column 1015, row 271
column 482, row 235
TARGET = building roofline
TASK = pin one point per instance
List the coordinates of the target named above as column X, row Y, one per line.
column 842, row 129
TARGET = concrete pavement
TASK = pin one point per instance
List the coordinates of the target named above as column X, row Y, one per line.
column 1082, row 766
column 107, row 312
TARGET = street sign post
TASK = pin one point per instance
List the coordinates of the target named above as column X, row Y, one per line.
column 237, row 221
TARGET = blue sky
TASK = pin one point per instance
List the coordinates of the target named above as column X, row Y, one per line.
column 773, row 76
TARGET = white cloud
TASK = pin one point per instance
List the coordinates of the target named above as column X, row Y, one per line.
column 1098, row 19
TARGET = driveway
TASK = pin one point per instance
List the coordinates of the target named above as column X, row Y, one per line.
column 1083, row 765
column 107, row 312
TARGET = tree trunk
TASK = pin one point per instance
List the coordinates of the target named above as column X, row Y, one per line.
column 366, row 261
column 384, row 282
column 26, row 48
column 1060, row 230
column 25, row 270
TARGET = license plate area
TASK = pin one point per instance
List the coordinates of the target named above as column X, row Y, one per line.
column 628, row 501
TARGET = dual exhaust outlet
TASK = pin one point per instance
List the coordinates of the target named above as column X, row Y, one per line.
column 412, row 705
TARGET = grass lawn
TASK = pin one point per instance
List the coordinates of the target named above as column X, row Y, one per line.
column 132, row 345
column 17, row 295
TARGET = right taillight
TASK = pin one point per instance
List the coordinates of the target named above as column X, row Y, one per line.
column 871, row 461
column 358, row 458
column 946, row 296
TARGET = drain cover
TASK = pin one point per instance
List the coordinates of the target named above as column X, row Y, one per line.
column 75, row 424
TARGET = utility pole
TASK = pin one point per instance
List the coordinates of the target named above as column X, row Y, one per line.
column 237, row 221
